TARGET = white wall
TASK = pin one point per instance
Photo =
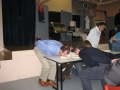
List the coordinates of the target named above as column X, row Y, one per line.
column 24, row 64
column 1, row 24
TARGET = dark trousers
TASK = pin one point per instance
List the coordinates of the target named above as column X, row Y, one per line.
column 93, row 73
column 68, row 68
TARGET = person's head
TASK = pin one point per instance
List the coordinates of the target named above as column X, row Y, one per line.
column 69, row 45
column 78, row 46
column 86, row 43
column 64, row 50
column 101, row 26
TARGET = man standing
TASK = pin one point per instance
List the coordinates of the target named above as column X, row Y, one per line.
column 49, row 47
column 97, row 60
column 94, row 35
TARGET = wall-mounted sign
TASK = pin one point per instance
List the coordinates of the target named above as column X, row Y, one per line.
column 85, row 5
column 83, row 8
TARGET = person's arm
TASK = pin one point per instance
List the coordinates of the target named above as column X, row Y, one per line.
column 101, row 57
column 90, row 35
column 110, row 55
column 114, row 39
column 113, row 60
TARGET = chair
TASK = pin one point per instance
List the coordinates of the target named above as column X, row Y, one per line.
column 109, row 87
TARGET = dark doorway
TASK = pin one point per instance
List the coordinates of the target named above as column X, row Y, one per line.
column 54, row 17
column 77, row 19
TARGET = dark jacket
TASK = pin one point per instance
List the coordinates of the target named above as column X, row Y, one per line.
column 94, row 56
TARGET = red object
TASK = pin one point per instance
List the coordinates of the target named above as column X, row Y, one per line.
column 109, row 87
column 41, row 8
column 36, row 39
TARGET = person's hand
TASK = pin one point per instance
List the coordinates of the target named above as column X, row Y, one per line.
column 113, row 38
column 113, row 60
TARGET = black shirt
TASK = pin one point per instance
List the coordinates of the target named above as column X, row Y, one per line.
column 94, row 56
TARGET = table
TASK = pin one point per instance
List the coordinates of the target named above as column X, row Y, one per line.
column 58, row 61
column 113, row 52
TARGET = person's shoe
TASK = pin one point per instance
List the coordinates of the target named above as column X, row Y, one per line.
column 42, row 83
column 50, row 82
column 67, row 77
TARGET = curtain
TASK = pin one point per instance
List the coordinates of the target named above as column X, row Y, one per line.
column 18, row 22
